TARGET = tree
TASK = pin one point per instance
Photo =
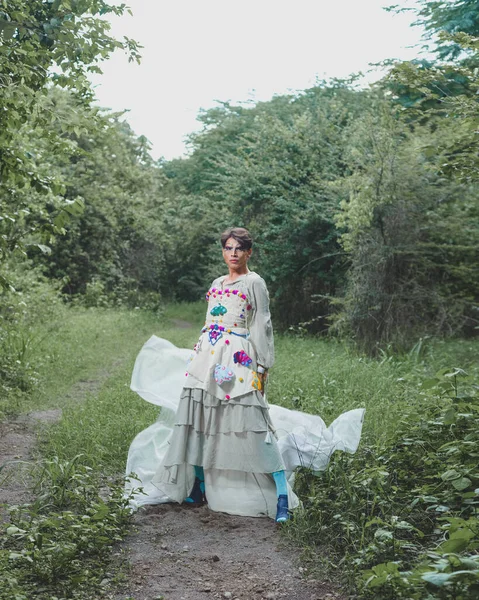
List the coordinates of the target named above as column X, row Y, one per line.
column 118, row 240
column 43, row 43
column 411, row 234
column 448, row 87
column 276, row 175
column 452, row 18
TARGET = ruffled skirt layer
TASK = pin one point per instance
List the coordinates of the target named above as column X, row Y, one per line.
column 222, row 435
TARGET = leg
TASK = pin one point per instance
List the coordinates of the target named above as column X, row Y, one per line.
column 282, row 513
column 197, row 494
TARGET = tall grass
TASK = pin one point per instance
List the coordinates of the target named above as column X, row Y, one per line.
column 313, row 375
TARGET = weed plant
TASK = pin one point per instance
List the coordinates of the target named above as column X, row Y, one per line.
column 59, row 546
column 33, row 300
column 400, row 519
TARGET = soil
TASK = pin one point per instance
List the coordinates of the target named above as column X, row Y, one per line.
column 17, row 440
column 175, row 552
column 185, row 553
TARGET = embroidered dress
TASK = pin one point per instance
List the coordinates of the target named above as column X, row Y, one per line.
column 223, row 419
column 223, row 422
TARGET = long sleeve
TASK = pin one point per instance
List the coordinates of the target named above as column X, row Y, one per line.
column 260, row 326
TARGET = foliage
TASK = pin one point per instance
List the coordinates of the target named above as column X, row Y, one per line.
column 59, row 546
column 409, row 224
column 37, row 36
column 437, row 16
column 34, row 300
column 445, row 97
column 362, row 212
column 271, row 167
column 411, row 235
column 400, row 518
column 117, row 243
column 445, row 87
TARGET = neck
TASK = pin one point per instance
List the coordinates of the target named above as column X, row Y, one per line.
column 235, row 273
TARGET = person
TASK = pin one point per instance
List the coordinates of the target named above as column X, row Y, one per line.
column 222, row 446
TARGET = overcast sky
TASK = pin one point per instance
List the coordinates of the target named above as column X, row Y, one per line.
column 199, row 51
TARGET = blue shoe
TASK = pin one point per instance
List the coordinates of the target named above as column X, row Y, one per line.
column 282, row 512
column 197, row 494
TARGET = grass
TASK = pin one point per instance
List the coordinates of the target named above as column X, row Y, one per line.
column 85, row 344
column 59, row 546
column 326, row 377
column 313, row 375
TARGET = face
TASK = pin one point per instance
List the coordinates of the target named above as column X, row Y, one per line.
column 234, row 256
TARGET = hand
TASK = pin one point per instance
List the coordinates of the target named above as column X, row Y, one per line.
column 263, row 377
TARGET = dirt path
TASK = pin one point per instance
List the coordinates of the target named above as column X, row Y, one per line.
column 18, row 439
column 183, row 553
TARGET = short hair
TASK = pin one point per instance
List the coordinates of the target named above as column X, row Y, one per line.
column 240, row 234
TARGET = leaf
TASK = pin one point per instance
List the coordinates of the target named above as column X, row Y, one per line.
column 455, row 372
column 43, row 248
column 8, row 31
column 101, row 513
column 428, row 384
column 74, row 207
column 451, row 545
column 438, row 579
column 450, row 416
column 383, row 534
column 462, row 483
column 13, row 530
column 450, row 475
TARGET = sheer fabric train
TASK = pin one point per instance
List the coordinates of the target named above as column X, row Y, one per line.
column 304, row 440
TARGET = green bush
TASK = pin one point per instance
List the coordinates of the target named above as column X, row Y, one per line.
column 31, row 300
column 59, row 546
column 400, row 518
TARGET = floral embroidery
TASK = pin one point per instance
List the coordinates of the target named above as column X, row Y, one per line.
column 197, row 346
column 215, row 334
column 222, row 373
column 242, row 358
column 215, row 293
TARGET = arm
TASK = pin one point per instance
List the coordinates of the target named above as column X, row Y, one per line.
column 260, row 326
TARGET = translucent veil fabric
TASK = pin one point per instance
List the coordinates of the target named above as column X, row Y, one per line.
column 304, row 441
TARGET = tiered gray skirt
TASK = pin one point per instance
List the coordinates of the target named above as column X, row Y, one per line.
column 234, row 435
